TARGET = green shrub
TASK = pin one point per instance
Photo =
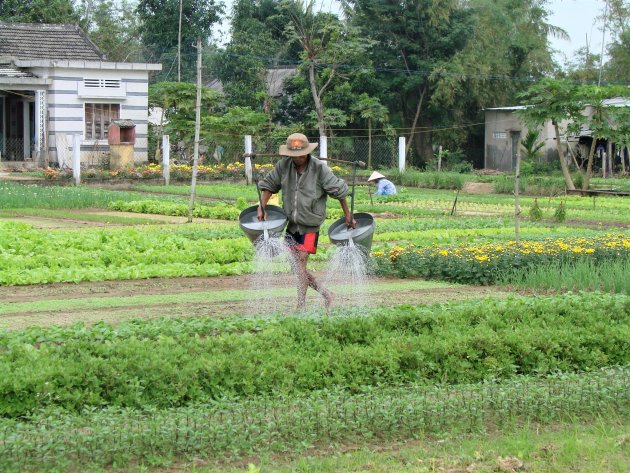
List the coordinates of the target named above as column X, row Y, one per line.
column 145, row 367
column 560, row 214
column 535, row 214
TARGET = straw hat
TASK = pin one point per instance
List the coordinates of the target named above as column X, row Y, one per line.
column 297, row 145
column 376, row 175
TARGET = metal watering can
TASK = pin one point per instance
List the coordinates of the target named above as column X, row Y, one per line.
column 272, row 227
column 362, row 235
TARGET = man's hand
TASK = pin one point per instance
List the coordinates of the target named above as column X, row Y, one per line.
column 350, row 221
column 262, row 215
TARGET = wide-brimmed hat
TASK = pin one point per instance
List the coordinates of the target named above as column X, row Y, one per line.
column 297, row 145
column 376, row 175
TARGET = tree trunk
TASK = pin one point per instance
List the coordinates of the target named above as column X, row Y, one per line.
column 563, row 164
column 589, row 167
column 319, row 109
column 412, row 135
column 423, row 145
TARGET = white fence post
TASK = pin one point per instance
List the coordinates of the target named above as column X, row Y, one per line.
column 401, row 154
column 323, row 149
column 248, row 159
column 76, row 159
column 166, row 159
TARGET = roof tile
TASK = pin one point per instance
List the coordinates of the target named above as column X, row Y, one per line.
column 47, row 41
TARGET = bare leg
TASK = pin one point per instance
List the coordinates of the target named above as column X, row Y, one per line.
column 306, row 279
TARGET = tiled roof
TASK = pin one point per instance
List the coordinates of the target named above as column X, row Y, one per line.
column 9, row 70
column 45, row 41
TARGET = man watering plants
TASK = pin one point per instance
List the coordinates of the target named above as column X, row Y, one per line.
column 383, row 186
column 306, row 183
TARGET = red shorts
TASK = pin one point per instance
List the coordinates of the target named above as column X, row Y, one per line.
column 299, row 242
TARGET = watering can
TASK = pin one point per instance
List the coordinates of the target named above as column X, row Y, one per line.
column 253, row 228
column 361, row 236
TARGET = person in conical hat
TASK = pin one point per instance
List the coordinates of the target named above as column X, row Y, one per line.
column 383, row 186
column 306, row 183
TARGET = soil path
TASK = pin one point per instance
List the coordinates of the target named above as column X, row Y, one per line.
column 115, row 301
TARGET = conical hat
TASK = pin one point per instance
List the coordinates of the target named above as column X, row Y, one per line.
column 376, row 175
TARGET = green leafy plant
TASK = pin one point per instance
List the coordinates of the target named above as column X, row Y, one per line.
column 560, row 214
column 535, row 214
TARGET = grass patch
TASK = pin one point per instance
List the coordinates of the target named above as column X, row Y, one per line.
column 74, row 215
column 561, row 448
column 583, row 275
column 20, row 196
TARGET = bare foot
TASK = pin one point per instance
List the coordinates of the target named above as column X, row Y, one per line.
column 329, row 298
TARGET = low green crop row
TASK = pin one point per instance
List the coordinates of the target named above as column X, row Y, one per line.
column 457, row 343
column 57, row 441
column 221, row 210
column 30, row 256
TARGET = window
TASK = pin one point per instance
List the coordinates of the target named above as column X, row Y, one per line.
column 499, row 135
column 98, row 117
column 101, row 83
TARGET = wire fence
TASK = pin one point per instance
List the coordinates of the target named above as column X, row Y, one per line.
column 233, row 428
column 378, row 153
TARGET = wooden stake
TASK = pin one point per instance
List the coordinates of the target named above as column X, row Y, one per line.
column 193, row 183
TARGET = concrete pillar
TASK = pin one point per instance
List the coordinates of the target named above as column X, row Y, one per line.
column 248, row 160
column 76, row 159
column 26, row 126
column 401, row 154
column 323, row 149
column 166, row 159
column 41, row 133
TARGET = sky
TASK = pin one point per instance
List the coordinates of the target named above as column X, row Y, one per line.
column 576, row 17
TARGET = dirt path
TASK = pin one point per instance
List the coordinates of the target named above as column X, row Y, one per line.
column 115, row 301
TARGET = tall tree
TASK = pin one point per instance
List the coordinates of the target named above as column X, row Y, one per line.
column 555, row 101
column 257, row 42
column 327, row 44
column 618, row 18
column 440, row 60
column 159, row 30
column 113, row 27
column 38, row 11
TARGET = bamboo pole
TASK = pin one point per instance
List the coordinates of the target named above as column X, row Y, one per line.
column 193, row 183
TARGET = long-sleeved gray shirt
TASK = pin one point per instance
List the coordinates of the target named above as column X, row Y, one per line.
column 304, row 196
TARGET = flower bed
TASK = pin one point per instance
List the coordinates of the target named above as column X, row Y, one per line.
column 486, row 263
column 177, row 171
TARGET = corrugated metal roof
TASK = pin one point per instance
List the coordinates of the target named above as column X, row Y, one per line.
column 617, row 102
column 46, row 41
column 9, row 70
column 516, row 107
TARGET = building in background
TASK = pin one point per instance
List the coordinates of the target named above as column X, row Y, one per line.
column 55, row 83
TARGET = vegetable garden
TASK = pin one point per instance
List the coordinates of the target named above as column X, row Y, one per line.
column 129, row 343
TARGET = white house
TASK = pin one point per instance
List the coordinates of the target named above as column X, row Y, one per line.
column 55, row 83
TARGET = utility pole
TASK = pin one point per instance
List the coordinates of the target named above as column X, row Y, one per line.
column 179, row 45
column 601, row 58
column 193, row 184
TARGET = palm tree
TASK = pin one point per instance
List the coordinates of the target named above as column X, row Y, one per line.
column 531, row 145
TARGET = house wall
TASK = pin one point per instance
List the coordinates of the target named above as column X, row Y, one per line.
column 67, row 96
column 501, row 129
